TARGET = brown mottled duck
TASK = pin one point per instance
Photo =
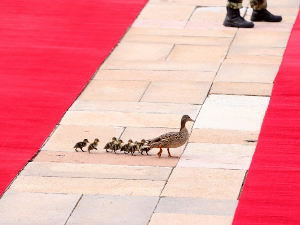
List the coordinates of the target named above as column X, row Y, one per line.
column 171, row 139
column 93, row 145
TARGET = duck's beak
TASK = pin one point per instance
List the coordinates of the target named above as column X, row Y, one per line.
column 191, row 120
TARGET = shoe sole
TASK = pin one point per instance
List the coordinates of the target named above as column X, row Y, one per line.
column 260, row 20
column 232, row 25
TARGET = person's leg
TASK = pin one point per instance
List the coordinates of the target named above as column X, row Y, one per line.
column 260, row 12
column 233, row 17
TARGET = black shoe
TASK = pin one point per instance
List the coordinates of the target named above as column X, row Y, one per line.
column 234, row 19
column 264, row 15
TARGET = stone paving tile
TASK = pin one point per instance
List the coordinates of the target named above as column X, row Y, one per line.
column 204, row 183
column 196, row 206
column 219, row 136
column 137, row 107
column 20, row 208
column 51, row 169
column 150, row 75
column 106, row 90
column 65, row 137
column 140, row 52
column 252, row 73
column 181, row 32
column 189, row 219
column 220, row 156
column 156, row 23
column 167, row 12
column 231, row 112
column 253, row 59
column 194, row 53
column 121, row 119
column 184, row 40
column 191, row 2
column 258, row 51
column 67, row 185
column 105, row 158
column 208, row 25
column 177, row 92
column 229, row 88
column 166, row 65
column 210, row 14
column 258, row 38
column 113, row 210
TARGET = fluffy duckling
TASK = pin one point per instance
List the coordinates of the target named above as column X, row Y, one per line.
column 145, row 149
column 117, row 146
column 93, row 145
column 110, row 144
column 141, row 144
column 134, row 147
column 125, row 147
column 81, row 144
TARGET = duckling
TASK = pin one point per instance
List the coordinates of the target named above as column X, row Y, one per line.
column 171, row 139
column 145, row 148
column 133, row 148
column 93, row 145
column 81, row 144
column 142, row 143
column 117, row 146
column 110, row 144
column 126, row 146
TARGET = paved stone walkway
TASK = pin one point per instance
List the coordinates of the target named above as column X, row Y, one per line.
column 177, row 58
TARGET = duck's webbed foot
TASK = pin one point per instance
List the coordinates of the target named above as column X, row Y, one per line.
column 169, row 155
column 159, row 153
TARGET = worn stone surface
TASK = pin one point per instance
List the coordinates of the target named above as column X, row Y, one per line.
column 204, row 183
column 196, row 206
column 44, row 169
column 21, row 208
column 189, row 219
column 226, row 156
column 113, row 210
column 243, row 113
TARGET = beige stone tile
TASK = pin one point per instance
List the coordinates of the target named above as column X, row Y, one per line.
column 252, row 73
column 283, row 11
column 229, row 88
column 150, row 75
column 36, row 208
column 105, row 158
column 189, row 219
column 141, row 52
column 106, row 90
column 204, row 183
column 258, row 51
column 231, row 112
column 220, row 156
column 76, row 170
column 166, row 65
column 208, row 25
column 224, row 136
column 191, row 2
column 156, row 23
column 193, row 53
column 167, row 12
column 284, row 4
column 66, row 185
column 66, row 136
column 177, row 92
column 137, row 107
column 284, row 28
column 253, row 59
column 121, row 119
column 210, row 14
column 184, row 40
column 181, row 32
column 258, row 38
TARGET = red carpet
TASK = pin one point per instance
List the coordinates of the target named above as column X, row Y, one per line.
column 49, row 51
column 271, row 193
